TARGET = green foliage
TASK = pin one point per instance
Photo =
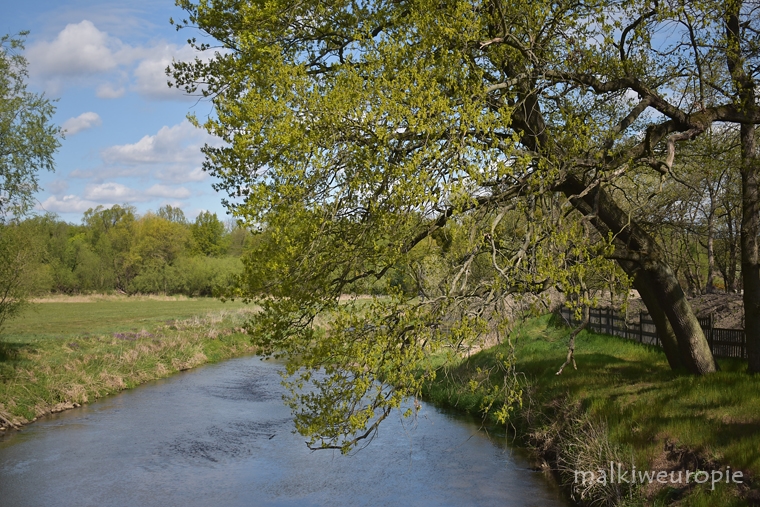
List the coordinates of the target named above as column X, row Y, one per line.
column 20, row 269
column 116, row 250
column 111, row 234
column 208, row 234
column 355, row 131
column 207, row 276
column 239, row 239
column 353, row 137
column 28, row 139
column 698, row 215
column 192, row 276
column 172, row 214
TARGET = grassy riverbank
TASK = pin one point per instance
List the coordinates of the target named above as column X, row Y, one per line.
column 623, row 404
column 67, row 351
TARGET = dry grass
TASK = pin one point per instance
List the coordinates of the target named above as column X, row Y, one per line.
column 44, row 373
column 94, row 298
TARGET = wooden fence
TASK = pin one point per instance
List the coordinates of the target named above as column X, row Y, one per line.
column 723, row 342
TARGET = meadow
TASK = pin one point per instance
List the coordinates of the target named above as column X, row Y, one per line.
column 65, row 351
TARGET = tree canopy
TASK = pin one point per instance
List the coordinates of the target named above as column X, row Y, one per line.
column 28, row 141
column 358, row 131
column 28, row 138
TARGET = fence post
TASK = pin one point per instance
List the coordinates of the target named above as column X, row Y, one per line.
column 641, row 327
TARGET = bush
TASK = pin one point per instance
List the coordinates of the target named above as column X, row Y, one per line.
column 203, row 275
column 21, row 272
column 191, row 276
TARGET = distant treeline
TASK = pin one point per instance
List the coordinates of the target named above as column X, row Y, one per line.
column 116, row 250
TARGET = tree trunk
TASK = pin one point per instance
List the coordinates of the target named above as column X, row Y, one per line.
column 642, row 282
column 733, row 254
column 710, row 285
column 694, row 350
column 607, row 216
column 745, row 85
column 669, row 298
column 749, row 245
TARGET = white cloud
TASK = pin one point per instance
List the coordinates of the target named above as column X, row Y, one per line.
column 79, row 49
column 111, row 192
column 177, row 147
column 168, row 192
column 108, row 91
column 57, row 186
column 177, row 173
column 150, row 74
column 82, row 122
column 67, row 204
column 180, row 173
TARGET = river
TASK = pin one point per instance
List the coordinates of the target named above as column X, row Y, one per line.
column 220, row 435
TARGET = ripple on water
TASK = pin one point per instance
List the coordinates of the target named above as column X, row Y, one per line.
column 250, row 387
column 216, row 444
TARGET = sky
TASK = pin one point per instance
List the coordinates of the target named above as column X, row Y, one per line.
column 127, row 139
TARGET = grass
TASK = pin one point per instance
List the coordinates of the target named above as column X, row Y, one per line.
column 629, row 390
column 57, row 317
column 60, row 354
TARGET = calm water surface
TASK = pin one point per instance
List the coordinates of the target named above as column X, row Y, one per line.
column 221, row 436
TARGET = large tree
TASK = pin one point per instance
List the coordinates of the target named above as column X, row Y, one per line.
column 356, row 130
column 742, row 38
column 28, row 141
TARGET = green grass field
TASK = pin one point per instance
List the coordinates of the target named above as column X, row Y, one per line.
column 629, row 389
column 60, row 318
column 70, row 351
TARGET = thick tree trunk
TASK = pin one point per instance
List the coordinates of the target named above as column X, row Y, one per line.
column 669, row 298
column 642, row 282
column 749, row 245
column 692, row 344
column 745, row 86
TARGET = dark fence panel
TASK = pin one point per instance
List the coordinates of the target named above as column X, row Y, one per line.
column 723, row 342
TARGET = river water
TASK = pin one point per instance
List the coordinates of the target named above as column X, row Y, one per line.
column 220, row 435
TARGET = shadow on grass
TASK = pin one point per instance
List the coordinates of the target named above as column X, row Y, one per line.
column 10, row 352
column 11, row 357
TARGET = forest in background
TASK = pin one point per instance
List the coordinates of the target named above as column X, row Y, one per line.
column 116, row 250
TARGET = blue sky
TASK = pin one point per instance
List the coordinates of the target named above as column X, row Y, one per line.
column 127, row 140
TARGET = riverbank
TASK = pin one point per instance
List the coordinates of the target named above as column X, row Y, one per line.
column 622, row 405
column 66, row 352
